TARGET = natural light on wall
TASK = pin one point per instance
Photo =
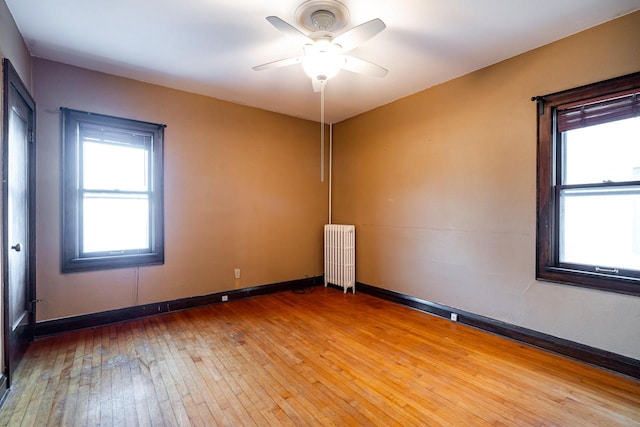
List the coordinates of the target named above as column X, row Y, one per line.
column 601, row 226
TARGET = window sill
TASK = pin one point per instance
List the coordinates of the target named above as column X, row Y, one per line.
column 604, row 282
column 77, row 265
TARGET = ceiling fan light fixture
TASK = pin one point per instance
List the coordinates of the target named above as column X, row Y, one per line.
column 323, row 65
column 323, row 50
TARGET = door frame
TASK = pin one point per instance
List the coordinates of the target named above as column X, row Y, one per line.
column 12, row 80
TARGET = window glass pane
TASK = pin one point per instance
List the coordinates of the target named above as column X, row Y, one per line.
column 114, row 166
column 602, row 153
column 115, row 223
column 601, row 228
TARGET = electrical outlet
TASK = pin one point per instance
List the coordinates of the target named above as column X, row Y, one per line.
column 225, row 298
column 454, row 317
column 236, row 273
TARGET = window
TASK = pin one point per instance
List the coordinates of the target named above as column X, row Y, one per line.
column 588, row 191
column 112, row 193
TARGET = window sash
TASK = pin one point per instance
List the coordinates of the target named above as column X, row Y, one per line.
column 607, row 225
column 98, row 161
column 591, row 154
column 123, row 231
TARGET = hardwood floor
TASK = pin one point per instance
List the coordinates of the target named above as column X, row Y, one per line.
column 323, row 358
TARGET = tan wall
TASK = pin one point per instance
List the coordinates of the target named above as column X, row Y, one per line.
column 242, row 189
column 441, row 187
column 12, row 45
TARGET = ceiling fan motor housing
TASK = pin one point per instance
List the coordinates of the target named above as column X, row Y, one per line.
column 323, row 19
column 322, row 15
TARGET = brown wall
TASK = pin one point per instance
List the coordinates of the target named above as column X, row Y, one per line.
column 441, row 188
column 12, row 45
column 242, row 189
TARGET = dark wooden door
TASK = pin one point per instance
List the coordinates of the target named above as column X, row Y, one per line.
column 18, row 222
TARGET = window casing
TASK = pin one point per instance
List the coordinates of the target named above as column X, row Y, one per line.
column 588, row 186
column 112, row 194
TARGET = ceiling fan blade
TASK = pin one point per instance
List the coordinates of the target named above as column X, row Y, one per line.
column 317, row 84
column 279, row 63
column 362, row 66
column 289, row 30
column 360, row 34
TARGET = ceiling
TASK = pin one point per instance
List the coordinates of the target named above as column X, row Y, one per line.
column 210, row 46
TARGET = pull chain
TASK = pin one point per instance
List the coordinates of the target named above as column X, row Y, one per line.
column 322, row 132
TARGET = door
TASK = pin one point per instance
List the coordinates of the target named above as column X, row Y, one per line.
column 18, row 219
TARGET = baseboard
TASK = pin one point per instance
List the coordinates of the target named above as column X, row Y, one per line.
column 93, row 320
column 583, row 353
column 4, row 389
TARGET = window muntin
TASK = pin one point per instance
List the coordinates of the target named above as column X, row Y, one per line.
column 588, row 231
column 112, row 192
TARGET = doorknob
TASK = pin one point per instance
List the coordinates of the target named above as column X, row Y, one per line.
column 17, row 247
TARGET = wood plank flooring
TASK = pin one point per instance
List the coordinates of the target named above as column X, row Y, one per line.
column 322, row 358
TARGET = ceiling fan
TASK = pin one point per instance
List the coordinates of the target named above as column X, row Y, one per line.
column 324, row 54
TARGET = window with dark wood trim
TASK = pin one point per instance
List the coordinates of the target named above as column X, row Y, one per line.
column 588, row 186
column 112, row 193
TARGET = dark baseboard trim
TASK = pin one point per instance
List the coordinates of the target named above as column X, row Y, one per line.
column 93, row 320
column 4, row 389
column 580, row 352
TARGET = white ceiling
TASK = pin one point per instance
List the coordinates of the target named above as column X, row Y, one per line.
column 209, row 46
